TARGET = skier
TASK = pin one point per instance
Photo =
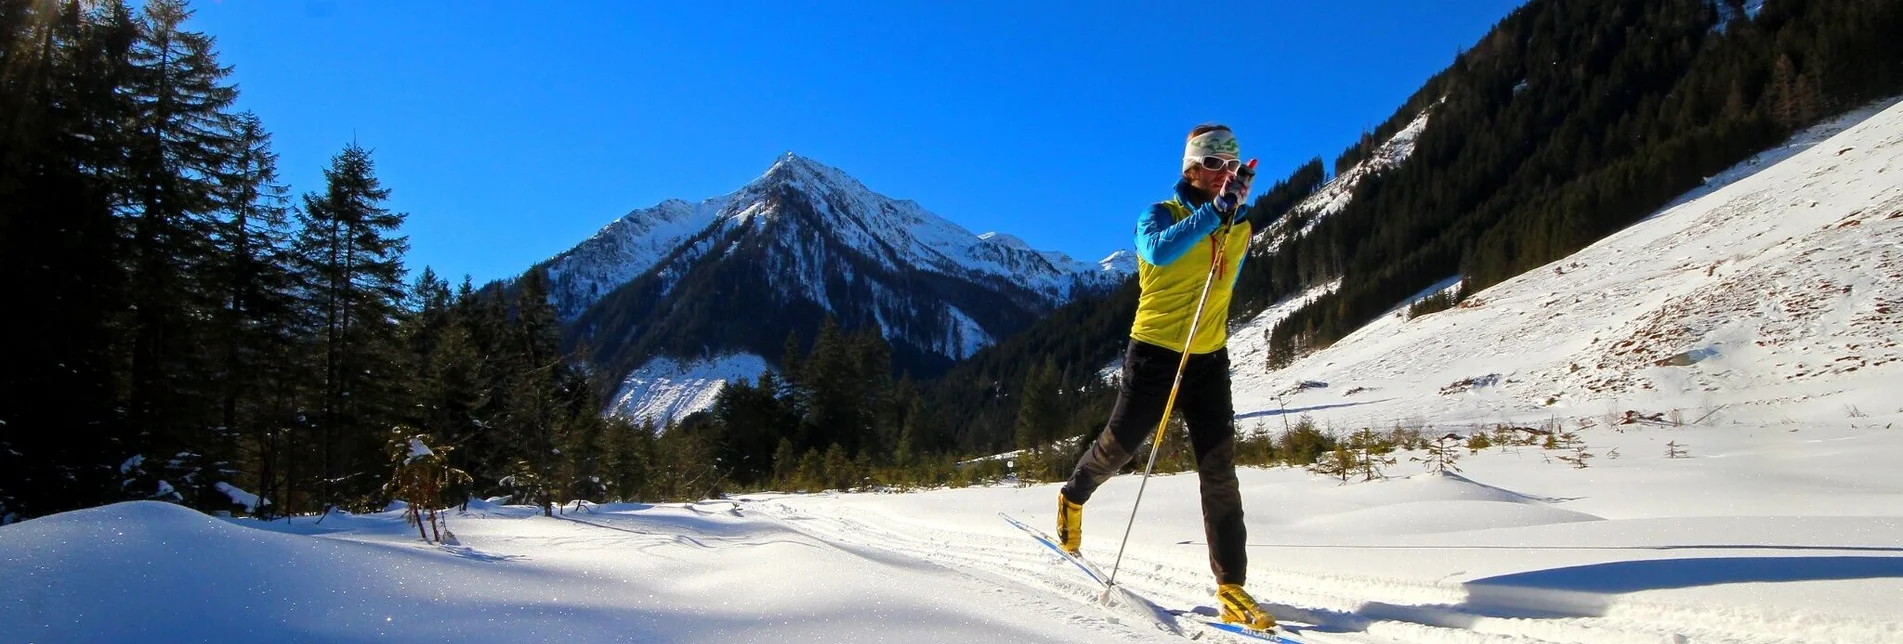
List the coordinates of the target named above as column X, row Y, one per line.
column 1176, row 248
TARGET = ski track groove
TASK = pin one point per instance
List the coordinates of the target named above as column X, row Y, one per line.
column 1002, row 565
column 1355, row 609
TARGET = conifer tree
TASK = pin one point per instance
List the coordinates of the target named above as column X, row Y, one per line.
column 183, row 140
column 1371, row 453
column 1443, row 453
column 874, row 431
column 827, row 377
column 911, row 438
column 64, row 100
column 1339, row 463
column 1038, row 423
column 751, row 425
column 257, row 323
column 631, row 458
column 446, row 368
column 353, row 260
column 483, row 314
column 584, row 443
column 537, row 368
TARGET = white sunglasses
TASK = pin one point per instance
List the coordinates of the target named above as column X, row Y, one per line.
column 1217, row 163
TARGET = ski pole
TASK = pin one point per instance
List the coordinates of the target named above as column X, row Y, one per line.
column 1156, row 444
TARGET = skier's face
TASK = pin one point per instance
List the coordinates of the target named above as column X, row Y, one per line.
column 1209, row 180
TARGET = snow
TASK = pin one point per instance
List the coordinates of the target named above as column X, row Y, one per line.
column 1776, row 289
column 667, row 390
column 1249, row 341
column 250, row 501
column 1121, row 263
column 966, row 336
column 1762, row 535
column 890, row 232
column 623, row 250
column 1335, row 195
column 1726, row 14
column 418, row 450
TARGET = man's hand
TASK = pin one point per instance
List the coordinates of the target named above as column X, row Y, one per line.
column 1226, row 206
column 1245, row 176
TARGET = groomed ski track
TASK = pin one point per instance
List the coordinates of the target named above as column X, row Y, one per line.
column 1348, row 609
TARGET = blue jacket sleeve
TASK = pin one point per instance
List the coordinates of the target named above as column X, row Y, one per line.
column 1161, row 239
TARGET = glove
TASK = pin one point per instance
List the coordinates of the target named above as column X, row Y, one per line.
column 1226, row 207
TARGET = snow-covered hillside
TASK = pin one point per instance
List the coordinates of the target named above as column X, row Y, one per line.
column 1763, row 534
column 668, row 390
column 1777, row 290
column 1335, row 195
column 622, row 250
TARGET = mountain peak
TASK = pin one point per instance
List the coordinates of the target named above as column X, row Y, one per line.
column 796, row 170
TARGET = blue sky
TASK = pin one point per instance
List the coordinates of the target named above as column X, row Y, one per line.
column 509, row 132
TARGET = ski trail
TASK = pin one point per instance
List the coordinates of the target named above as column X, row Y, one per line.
column 1346, row 609
column 1016, row 558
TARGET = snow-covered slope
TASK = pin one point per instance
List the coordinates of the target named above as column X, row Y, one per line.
column 1778, row 286
column 1767, row 533
column 666, row 389
column 1335, row 195
column 1727, row 14
column 1119, row 264
column 622, row 250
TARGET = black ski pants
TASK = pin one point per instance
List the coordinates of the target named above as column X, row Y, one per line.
column 1204, row 403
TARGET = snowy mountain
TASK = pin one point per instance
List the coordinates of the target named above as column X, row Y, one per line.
column 1335, row 195
column 1776, row 288
column 733, row 275
column 623, row 250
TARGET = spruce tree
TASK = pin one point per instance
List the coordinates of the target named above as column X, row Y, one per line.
column 183, row 141
column 349, row 251
column 257, row 325
column 64, row 101
column 1038, row 422
column 535, row 367
column 445, row 380
column 826, row 380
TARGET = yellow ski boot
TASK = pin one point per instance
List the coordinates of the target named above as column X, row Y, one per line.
column 1070, row 524
column 1240, row 609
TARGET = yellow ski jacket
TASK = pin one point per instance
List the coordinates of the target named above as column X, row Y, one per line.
column 1176, row 243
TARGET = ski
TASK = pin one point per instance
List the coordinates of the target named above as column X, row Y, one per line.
column 1237, row 630
column 1077, row 560
column 1158, row 612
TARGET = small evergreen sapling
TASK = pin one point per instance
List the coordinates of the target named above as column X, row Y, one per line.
column 1444, row 452
column 1339, row 463
column 1478, row 441
column 1578, row 457
column 1371, row 453
column 1674, row 450
column 422, row 481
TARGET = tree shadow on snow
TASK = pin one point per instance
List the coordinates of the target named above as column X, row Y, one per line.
column 1588, row 590
column 1654, row 574
column 1303, row 410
